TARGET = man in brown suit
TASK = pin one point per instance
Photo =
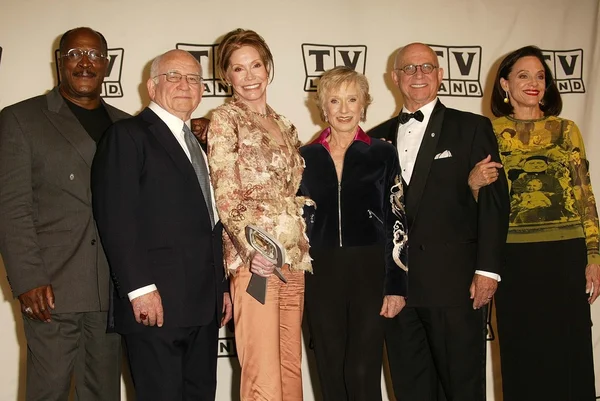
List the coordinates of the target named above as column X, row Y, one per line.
column 48, row 239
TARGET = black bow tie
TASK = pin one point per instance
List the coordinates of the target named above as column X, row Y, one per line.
column 405, row 117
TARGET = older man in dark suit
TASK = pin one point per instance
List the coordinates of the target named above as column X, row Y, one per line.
column 155, row 213
column 456, row 243
column 48, row 238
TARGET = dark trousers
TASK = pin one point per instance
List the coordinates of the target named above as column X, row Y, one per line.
column 437, row 352
column 343, row 299
column 545, row 341
column 72, row 345
column 174, row 364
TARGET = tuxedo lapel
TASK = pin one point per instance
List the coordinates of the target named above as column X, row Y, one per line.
column 165, row 137
column 65, row 122
column 424, row 160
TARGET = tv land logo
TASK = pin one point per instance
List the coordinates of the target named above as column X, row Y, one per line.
column 226, row 347
column 319, row 58
column 567, row 68
column 462, row 70
column 111, row 87
column 205, row 54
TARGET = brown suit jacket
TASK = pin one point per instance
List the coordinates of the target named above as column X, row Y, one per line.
column 47, row 230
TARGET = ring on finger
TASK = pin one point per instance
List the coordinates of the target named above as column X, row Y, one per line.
column 28, row 310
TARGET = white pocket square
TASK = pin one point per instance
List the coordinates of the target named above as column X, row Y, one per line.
column 443, row 155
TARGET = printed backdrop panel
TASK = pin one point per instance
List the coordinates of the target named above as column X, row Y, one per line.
column 306, row 38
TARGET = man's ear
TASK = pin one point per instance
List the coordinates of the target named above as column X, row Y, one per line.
column 395, row 77
column 151, row 86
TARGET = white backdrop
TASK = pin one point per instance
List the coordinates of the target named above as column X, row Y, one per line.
column 305, row 37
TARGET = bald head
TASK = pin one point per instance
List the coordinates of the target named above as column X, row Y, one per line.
column 398, row 63
column 419, row 88
column 176, row 94
column 171, row 54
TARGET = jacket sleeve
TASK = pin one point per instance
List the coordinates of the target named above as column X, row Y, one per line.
column 493, row 205
column 18, row 236
column 394, row 215
column 116, row 173
column 232, row 200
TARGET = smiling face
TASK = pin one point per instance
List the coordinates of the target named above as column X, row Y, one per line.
column 525, row 84
column 248, row 75
column 81, row 80
column 417, row 89
column 343, row 107
column 178, row 98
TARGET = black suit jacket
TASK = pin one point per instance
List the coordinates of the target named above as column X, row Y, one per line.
column 154, row 224
column 450, row 234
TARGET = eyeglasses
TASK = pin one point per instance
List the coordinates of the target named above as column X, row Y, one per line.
column 411, row 69
column 77, row 54
column 173, row 76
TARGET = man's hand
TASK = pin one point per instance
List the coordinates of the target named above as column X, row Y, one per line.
column 484, row 173
column 148, row 309
column 261, row 266
column 482, row 290
column 592, row 282
column 36, row 303
column 392, row 305
column 200, row 128
column 227, row 312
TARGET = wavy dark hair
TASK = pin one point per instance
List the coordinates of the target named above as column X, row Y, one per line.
column 551, row 103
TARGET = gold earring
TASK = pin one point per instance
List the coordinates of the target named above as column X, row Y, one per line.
column 362, row 114
column 506, row 100
column 326, row 119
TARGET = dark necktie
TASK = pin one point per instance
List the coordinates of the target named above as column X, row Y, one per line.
column 200, row 169
column 405, row 117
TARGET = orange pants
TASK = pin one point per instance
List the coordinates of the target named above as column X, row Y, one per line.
column 269, row 337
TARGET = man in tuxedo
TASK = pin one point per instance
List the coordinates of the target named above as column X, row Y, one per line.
column 456, row 243
column 48, row 239
column 155, row 214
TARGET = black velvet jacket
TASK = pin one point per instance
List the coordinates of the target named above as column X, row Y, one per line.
column 362, row 201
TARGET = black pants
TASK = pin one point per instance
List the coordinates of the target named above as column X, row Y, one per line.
column 438, row 354
column 174, row 364
column 343, row 299
column 544, row 323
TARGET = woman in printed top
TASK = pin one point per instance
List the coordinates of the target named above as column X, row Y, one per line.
column 358, row 241
column 256, row 171
column 552, row 273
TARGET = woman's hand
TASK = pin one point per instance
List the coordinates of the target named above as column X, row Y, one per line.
column 392, row 305
column 592, row 281
column 261, row 266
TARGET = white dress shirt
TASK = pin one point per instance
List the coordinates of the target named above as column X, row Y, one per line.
column 410, row 136
column 176, row 127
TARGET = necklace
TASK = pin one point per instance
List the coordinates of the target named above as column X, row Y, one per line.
column 263, row 115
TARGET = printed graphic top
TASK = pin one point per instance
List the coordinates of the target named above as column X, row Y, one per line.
column 549, row 182
column 255, row 182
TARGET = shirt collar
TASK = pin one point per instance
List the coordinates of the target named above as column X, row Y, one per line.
column 360, row 136
column 426, row 110
column 174, row 123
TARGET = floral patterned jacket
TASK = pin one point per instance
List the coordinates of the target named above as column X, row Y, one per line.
column 256, row 182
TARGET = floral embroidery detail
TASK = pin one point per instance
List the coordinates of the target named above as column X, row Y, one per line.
column 256, row 182
column 400, row 240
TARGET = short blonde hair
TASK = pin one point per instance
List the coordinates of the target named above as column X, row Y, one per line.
column 237, row 39
column 334, row 79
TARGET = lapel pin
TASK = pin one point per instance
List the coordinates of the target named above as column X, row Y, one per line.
column 432, row 134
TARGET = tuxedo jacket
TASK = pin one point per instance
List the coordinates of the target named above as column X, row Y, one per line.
column 450, row 234
column 47, row 230
column 155, row 225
